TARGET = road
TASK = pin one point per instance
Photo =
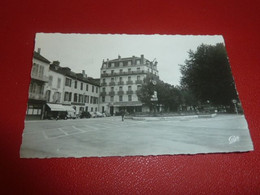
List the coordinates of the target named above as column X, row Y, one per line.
column 112, row 137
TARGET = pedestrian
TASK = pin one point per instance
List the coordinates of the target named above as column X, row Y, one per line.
column 123, row 115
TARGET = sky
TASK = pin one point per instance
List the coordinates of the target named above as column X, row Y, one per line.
column 87, row 51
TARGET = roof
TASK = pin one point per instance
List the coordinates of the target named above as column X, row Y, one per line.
column 38, row 56
column 126, row 59
column 79, row 76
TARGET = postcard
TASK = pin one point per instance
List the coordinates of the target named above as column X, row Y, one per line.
column 98, row 95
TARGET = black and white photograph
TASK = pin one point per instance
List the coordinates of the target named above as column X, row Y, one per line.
column 100, row 95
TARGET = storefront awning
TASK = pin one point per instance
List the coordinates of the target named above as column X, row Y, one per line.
column 126, row 104
column 56, row 107
column 69, row 108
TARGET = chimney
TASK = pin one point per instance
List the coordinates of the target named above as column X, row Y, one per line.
column 56, row 63
column 84, row 74
column 142, row 59
column 119, row 57
column 39, row 51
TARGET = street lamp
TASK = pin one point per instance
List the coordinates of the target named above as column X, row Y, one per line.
column 154, row 97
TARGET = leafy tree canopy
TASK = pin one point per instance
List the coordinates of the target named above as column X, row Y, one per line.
column 207, row 75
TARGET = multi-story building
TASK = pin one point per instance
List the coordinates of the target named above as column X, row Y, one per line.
column 120, row 79
column 72, row 90
column 36, row 100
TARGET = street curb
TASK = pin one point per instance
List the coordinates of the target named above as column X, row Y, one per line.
column 182, row 118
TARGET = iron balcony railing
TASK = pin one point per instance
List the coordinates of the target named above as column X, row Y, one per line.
column 129, row 92
column 112, row 83
column 111, row 93
column 120, row 93
column 123, row 73
column 39, row 77
column 103, row 93
column 36, row 96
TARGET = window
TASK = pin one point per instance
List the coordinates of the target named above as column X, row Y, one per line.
column 104, row 80
column 58, row 83
column 66, row 96
column 109, row 65
column 129, row 88
column 112, row 88
column 86, row 87
column 121, row 71
column 138, row 78
column 103, row 89
column 75, row 97
column 120, row 79
column 48, row 95
column 129, row 98
column 112, row 79
column 91, row 99
column 86, row 109
column 41, row 71
column 68, row 82
column 104, row 72
column 129, row 70
column 70, row 96
column 80, row 98
column 120, row 98
column 139, row 87
column 112, row 71
column 87, row 99
column 112, row 64
column 96, row 89
column 75, row 85
column 120, row 88
column 103, row 98
column 138, row 69
column 81, row 86
column 129, row 78
column 129, row 63
column 93, row 88
column 138, row 62
column 91, row 109
column 120, row 63
column 50, row 80
column 96, row 109
column 111, row 98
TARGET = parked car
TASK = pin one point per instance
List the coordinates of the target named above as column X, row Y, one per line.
column 71, row 115
column 85, row 114
column 98, row 114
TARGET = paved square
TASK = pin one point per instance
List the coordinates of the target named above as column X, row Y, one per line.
column 112, row 137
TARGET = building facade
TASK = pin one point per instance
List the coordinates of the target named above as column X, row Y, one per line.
column 39, row 79
column 120, row 79
column 74, row 91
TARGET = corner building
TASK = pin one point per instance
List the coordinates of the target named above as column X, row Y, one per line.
column 120, row 79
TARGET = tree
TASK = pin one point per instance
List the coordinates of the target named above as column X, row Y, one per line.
column 207, row 75
column 167, row 94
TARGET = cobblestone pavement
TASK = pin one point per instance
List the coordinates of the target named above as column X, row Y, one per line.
column 112, row 137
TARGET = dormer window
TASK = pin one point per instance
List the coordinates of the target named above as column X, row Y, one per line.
column 129, row 63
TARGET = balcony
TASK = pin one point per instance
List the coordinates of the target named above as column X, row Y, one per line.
column 138, row 82
column 103, row 93
column 124, row 73
column 40, row 77
column 120, row 93
column 129, row 82
column 112, row 83
column 103, row 84
column 121, row 83
column 129, row 92
column 36, row 96
column 111, row 93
